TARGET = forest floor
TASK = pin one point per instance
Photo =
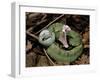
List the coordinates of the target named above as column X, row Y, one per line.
column 35, row 22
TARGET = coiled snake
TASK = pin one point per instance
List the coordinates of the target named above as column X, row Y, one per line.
column 59, row 48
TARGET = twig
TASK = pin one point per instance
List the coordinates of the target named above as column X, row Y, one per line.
column 50, row 23
column 42, row 21
column 29, row 33
column 34, row 15
column 45, row 15
column 48, row 57
column 32, row 35
column 29, row 29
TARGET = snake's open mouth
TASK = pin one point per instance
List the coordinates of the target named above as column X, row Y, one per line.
column 63, row 36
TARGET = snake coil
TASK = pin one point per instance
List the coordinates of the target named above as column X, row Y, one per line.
column 48, row 38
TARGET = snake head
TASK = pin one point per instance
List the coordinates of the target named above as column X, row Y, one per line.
column 46, row 37
column 63, row 36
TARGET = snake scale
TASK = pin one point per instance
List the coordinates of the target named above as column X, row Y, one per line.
column 50, row 39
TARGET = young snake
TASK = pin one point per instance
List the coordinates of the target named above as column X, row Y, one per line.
column 56, row 50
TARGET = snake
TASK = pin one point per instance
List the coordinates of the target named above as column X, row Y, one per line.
column 55, row 50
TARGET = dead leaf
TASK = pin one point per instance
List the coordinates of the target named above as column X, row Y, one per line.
column 84, row 59
column 31, row 59
column 86, row 39
column 28, row 46
column 43, row 61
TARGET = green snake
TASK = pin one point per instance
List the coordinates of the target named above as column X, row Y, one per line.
column 50, row 38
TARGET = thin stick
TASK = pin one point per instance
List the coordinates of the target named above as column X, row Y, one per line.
column 48, row 57
column 45, row 15
column 41, row 22
column 29, row 33
column 29, row 29
column 50, row 23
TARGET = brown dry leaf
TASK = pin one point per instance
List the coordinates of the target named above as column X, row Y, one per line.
column 28, row 46
column 83, row 60
column 31, row 59
column 38, row 51
column 34, row 18
column 43, row 61
column 34, row 15
column 86, row 39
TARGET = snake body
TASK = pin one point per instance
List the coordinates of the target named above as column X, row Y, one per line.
column 57, row 52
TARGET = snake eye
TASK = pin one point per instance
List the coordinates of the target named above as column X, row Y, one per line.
column 45, row 38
